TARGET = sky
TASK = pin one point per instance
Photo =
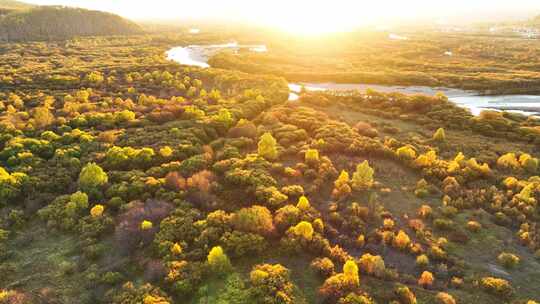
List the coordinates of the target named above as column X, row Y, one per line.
column 318, row 14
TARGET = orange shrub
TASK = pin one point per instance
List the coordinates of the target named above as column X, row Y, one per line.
column 426, row 279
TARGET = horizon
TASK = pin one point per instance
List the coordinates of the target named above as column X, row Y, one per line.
column 318, row 16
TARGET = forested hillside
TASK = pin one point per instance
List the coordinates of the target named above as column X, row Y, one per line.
column 12, row 4
column 8, row 6
column 56, row 23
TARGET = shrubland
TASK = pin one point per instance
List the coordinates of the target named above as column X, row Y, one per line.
column 126, row 178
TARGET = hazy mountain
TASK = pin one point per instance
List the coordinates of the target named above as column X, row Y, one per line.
column 8, row 6
column 12, row 4
column 57, row 23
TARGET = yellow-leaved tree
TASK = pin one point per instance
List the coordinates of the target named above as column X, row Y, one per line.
column 218, row 260
column 406, row 153
column 427, row 159
column 439, row 135
column 372, row 264
column 363, row 177
column 402, row 240
column 508, row 161
column 341, row 185
column 267, row 147
column 350, row 270
column 426, row 279
column 311, row 157
column 97, row 211
column 176, row 249
column 304, row 229
column 303, row 203
column 146, row 225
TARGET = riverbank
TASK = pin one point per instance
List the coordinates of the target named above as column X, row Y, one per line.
column 198, row 55
column 491, row 65
column 522, row 104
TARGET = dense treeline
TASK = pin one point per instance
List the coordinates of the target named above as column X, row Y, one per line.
column 13, row 5
column 57, row 23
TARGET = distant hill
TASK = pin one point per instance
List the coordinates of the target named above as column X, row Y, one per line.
column 12, row 4
column 58, row 23
column 8, row 6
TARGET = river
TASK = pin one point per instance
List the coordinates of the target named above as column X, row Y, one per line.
column 198, row 55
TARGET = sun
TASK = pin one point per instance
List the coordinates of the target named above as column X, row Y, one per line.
column 310, row 25
column 312, row 17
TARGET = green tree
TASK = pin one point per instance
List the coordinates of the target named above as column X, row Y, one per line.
column 256, row 219
column 78, row 201
column 92, row 176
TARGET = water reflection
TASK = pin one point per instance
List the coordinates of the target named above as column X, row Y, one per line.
column 198, row 55
column 523, row 104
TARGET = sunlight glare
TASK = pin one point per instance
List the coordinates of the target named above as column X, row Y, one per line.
column 312, row 17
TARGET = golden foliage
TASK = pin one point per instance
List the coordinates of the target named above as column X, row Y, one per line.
column 426, row 279
column 311, row 156
column 176, row 249
column 363, row 176
column 388, row 224
column 350, row 270
column 508, row 161
column 341, row 185
column 154, row 299
column 218, row 260
column 166, row 152
column 267, row 147
column 97, row 211
column 422, row 260
column 406, row 152
column 445, row 298
column 146, row 225
column 402, row 240
column 425, row 211
column 304, row 229
column 303, row 203
column 372, row 264
column 427, row 159
column 439, row 135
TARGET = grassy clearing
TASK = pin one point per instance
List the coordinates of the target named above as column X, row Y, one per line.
column 481, row 251
column 35, row 264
